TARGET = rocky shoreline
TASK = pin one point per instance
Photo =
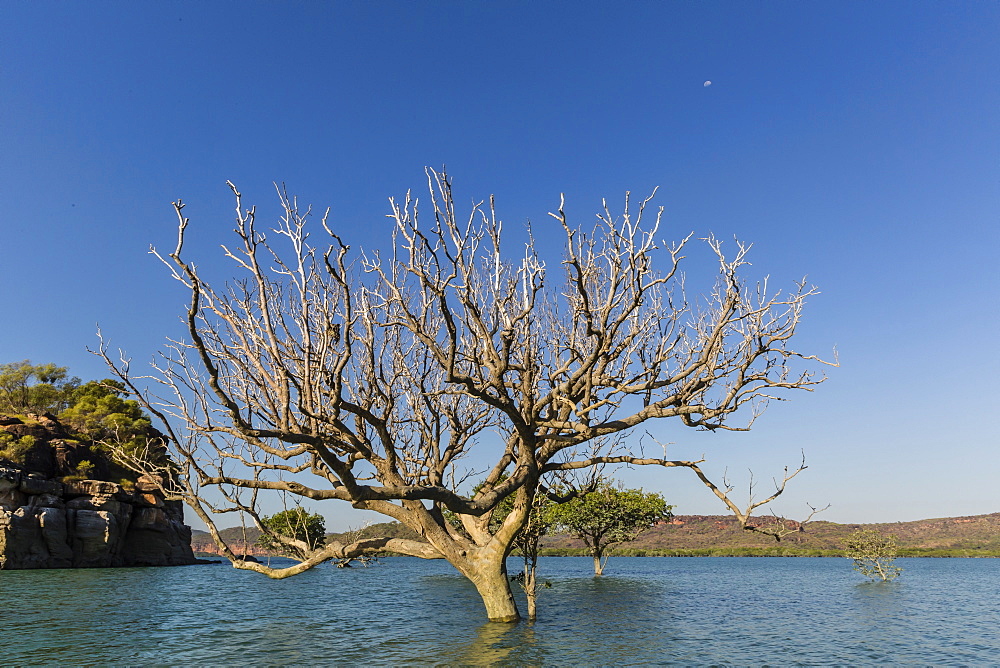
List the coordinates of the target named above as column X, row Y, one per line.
column 50, row 518
column 88, row 524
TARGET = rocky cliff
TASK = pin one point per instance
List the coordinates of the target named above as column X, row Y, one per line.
column 56, row 522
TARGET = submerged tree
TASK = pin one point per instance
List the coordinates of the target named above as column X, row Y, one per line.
column 873, row 554
column 526, row 542
column 367, row 378
column 538, row 524
column 293, row 533
column 608, row 516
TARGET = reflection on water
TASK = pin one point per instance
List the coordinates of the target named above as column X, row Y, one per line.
column 582, row 619
column 407, row 611
column 879, row 601
column 493, row 644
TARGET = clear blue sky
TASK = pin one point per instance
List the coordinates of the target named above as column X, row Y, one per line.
column 858, row 143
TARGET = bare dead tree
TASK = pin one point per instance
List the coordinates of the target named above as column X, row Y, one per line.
column 779, row 527
column 775, row 527
column 367, row 378
column 352, row 536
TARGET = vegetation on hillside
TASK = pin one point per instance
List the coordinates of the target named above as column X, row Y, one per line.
column 34, row 388
column 85, row 416
column 13, row 449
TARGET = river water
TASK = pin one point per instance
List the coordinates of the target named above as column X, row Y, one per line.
column 407, row 611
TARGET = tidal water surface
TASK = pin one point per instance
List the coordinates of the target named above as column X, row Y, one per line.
column 701, row 610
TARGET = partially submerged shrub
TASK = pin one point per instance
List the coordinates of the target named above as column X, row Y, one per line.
column 873, row 554
column 293, row 533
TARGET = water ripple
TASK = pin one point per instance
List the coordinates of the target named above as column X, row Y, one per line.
column 653, row 611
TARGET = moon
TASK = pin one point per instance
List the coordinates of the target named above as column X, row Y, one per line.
column 707, row 84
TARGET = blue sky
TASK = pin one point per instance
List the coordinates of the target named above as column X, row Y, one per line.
column 856, row 143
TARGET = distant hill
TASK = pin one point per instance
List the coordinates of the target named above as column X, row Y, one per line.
column 239, row 540
column 243, row 541
column 976, row 535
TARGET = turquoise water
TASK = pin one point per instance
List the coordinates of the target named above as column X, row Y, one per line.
column 408, row 611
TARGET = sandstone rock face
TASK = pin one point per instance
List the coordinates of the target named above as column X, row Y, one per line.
column 86, row 524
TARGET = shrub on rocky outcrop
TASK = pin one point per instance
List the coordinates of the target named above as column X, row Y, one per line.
column 64, row 503
column 14, row 449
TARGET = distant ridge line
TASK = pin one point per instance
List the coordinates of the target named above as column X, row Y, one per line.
column 969, row 535
column 690, row 532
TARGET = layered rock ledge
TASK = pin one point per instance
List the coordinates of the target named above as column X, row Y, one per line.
column 88, row 524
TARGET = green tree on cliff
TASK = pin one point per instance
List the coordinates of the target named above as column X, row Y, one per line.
column 94, row 413
column 98, row 411
column 34, row 388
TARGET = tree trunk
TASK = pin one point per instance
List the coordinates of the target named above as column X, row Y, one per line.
column 531, row 591
column 495, row 591
column 598, row 566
